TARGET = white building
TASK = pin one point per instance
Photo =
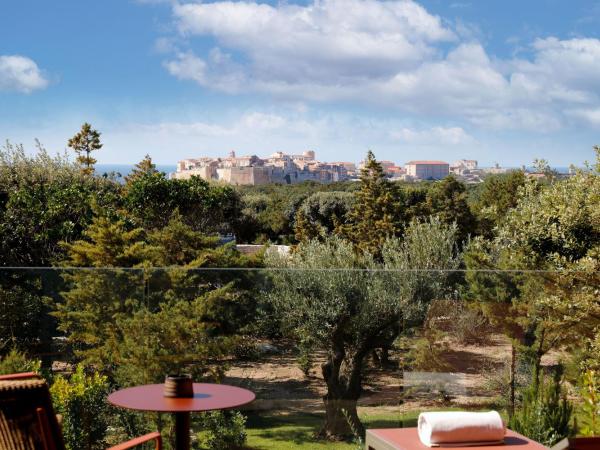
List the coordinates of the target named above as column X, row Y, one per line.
column 427, row 170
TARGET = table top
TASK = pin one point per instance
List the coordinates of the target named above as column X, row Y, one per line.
column 408, row 439
column 207, row 397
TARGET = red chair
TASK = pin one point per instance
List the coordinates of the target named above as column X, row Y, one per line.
column 28, row 421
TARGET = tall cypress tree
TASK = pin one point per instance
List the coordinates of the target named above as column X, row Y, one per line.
column 372, row 219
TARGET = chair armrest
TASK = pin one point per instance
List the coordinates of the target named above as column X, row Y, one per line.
column 140, row 440
column 19, row 376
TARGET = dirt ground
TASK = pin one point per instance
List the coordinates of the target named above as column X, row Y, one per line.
column 280, row 384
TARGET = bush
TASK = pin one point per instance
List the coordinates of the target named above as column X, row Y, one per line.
column 17, row 362
column 305, row 361
column 545, row 412
column 246, row 350
column 427, row 353
column 81, row 399
column 467, row 324
column 223, row 430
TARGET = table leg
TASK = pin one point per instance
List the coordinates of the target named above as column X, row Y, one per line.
column 182, row 431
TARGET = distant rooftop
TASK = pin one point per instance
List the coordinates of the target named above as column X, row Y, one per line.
column 426, row 162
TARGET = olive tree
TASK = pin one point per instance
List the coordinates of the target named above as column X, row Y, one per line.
column 321, row 213
column 348, row 303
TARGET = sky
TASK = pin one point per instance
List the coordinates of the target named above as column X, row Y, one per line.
column 499, row 81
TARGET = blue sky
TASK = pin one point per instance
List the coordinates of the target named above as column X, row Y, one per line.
column 498, row 81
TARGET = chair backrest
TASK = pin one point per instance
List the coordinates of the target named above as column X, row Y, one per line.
column 27, row 419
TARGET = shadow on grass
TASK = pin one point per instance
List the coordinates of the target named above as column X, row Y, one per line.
column 295, row 428
column 300, row 428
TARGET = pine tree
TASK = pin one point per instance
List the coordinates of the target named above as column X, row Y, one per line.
column 178, row 312
column 145, row 166
column 304, row 229
column 448, row 200
column 84, row 143
column 372, row 219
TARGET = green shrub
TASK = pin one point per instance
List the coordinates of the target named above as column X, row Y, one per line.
column 81, row 399
column 590, row 411
column 17, row 362
column 222, row 430
column 305, row 361
column 306, row 356
column 426, row 352
column 544, row 412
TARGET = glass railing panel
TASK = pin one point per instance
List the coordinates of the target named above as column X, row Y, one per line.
column 325, row 351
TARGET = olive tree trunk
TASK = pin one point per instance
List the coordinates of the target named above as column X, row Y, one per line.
column 342, row 373
column 343, row 392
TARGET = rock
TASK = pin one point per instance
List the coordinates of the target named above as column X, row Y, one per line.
column 267, row 348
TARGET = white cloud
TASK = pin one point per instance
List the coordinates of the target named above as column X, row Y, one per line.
column 564, row 70
column 165, row 45
column 388, row 53
column 187, row 66
column 433, row 136
column 334, row 40
column 248, row 124
column 20, row 74
column 589, row 116
column 218, row 72
column 463, row 81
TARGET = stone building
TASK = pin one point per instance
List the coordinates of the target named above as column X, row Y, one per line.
column 427, row 170
column 252, row 170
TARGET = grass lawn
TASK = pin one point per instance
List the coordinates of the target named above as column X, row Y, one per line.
column 296, row 430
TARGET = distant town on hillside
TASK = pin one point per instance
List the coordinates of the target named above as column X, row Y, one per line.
column 295, row 168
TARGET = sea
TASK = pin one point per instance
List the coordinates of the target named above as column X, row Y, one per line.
column 120, row 171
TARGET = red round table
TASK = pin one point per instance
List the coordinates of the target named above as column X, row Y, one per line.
column 207, row 397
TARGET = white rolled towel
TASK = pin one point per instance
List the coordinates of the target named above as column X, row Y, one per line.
column 460, row 429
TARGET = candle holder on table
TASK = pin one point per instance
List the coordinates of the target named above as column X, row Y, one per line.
column 178, row 386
